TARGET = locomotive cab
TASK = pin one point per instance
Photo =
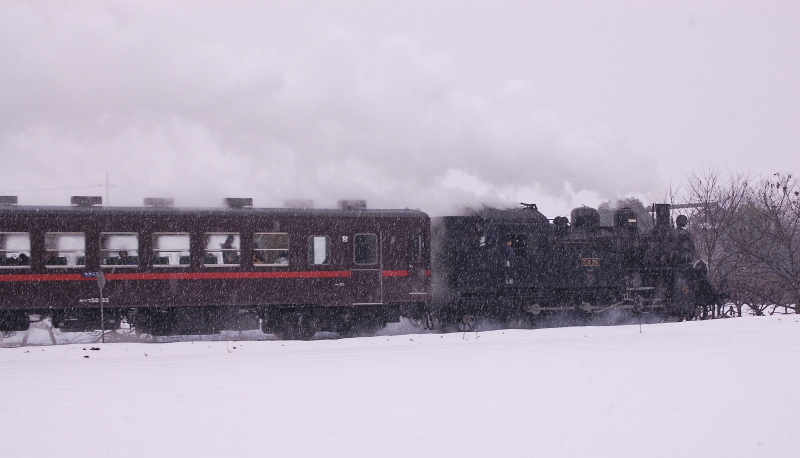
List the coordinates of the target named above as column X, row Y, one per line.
column 488, row 262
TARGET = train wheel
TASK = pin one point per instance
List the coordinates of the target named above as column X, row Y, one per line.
column 425, row 322
column 364, row 330
column 293, row 326
column 13, row 320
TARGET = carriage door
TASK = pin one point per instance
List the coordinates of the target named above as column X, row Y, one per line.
column 367, row 270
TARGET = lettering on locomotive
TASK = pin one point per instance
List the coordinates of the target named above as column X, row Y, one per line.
column 590, row 262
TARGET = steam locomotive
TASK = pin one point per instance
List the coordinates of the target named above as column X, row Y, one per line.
column 295, row 271
column 515, row 264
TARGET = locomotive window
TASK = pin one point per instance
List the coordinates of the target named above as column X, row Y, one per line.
column 119, row 249
column 171, row 249
column 418, row 248
column 319, row 250
column 518, row 244
column 222, row 249
column 271, row 249
column 64, row 249
column 15, row 249
column 366, row 248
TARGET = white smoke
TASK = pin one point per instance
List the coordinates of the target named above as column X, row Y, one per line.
column 207, row 102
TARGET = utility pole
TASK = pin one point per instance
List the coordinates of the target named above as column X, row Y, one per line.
column 107, row 185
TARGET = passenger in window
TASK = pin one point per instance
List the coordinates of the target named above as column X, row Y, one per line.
column 22, row 260
column 230, row 256
column 125, row 260
column 283, row 259
column 228, row 244
column 50, row 258
column 258, row 258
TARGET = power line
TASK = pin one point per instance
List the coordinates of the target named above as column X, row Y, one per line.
column 51, row 189
column 106, row 185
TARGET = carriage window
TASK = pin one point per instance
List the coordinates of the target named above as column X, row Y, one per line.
column 319, row 250
column 366, row 248
column 222, row 249
column 171, row 249
column 418, row 248
column 119, row 249
column 15, row 249
column 66, row 249
column 271, row 249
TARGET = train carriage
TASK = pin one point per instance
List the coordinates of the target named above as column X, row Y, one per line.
column 168, row 270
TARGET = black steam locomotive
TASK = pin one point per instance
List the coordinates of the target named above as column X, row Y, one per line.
column 295, row 271
column 515, row 264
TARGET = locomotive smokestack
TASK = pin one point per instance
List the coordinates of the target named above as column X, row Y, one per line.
column 663, row 222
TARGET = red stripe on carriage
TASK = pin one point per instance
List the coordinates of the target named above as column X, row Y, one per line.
column 181, row 276
column 396, row 273
column 44, row 277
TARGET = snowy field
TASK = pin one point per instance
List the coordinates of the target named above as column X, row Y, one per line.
column 722, row 388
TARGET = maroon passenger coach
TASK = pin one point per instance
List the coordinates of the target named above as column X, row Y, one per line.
column 169, row 270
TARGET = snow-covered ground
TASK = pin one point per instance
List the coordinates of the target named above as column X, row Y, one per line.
column 723, row 388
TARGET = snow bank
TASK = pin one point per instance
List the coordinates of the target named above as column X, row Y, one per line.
column 715, row 388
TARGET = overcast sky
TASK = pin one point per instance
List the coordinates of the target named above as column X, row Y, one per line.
column 417, row 103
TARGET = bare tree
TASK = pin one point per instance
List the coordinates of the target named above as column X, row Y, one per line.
column 749, row 236
column 770, row 240
column 716, row 203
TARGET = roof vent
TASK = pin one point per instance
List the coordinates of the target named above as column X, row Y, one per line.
column 8, row 200
column 239, row 202
column 159, row 202
column 86, row 201
column 298, row 203
column 353, row 204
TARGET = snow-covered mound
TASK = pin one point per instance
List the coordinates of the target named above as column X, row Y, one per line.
column 725, row 388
